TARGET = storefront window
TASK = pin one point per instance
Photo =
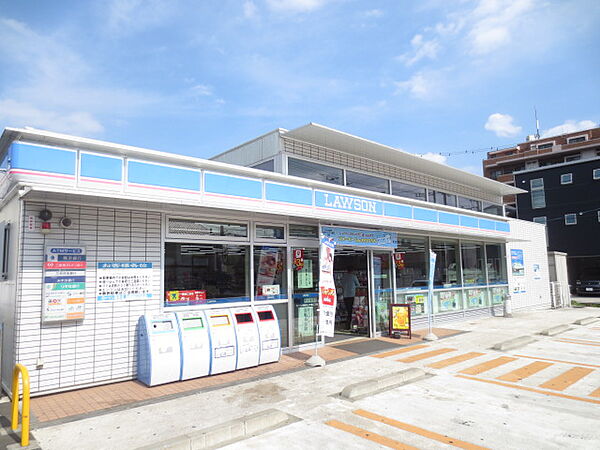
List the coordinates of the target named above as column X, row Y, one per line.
column 270, row 232
column 411, row 263
column 304, row 231
column 198, row 274
column 180, row 227
column 446, row 266
column 314, row 171
column 496, row 263
column 270, row 280
column 305, row 293
column 472, row 261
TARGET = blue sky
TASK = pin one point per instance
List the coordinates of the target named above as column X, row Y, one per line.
column 199, row 77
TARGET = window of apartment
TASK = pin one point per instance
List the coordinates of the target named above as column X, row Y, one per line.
column 269, row 165
column 469, row 203
column 540, row 219
column 570, row 219
column 596, row 174
column 532, row 164
column 492, row 208
column 538, row 195
column 408, row 190
column 545, row 145
column 367, row 182
column 598, row 216
column 566, row 178
column 576, row 139
column 575, row 157
column 314, row 171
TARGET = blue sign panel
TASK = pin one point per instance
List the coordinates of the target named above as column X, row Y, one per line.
column 232, row 186
column 288, row 194
column 396, row 210
column 103, row 167
column 342, row 202
column 361, row 238
column 164, row 176
column 43, row 159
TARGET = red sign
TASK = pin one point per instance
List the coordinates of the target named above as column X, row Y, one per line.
column 399, row 260
column 327, row 295
column 196, row 297
column 298, row 259
column 65, row 265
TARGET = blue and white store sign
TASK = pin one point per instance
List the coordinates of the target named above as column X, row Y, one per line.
column 340, row 202
column 360, row 238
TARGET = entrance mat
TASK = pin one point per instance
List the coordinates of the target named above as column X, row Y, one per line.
column 368, row 346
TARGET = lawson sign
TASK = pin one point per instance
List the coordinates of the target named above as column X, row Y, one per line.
column 331, row 200
column 360, row 238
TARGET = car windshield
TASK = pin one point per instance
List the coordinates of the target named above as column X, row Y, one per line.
column 589, row 275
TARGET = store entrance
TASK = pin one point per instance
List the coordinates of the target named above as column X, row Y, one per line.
column 350, row 272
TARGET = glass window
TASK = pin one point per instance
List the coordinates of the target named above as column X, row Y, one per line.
column 570, row 219
column 270, row 280
column 270, row 232
column 469, row 203
column 492, row 208
column 575, row 157
column 543, row 146
column 281, row 309
column 411, row 263
column 208, row 273
column 496, row 263
column 576, row 139
column 269, row 166
column 408, row 190
column 446, row 265
column 314, row 171
column 566, row 178
column 304, row 231
column 198, row 228
column 442, row 198
column 538, row 196
column 596, row 174
column 367, row 182
column 540, row 219
column 472, row 263
column 305, row 294
column 5, row 247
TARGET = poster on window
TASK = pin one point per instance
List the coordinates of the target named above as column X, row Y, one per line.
column 268, row 263
column 327, row 294
column 64, row 283
column 516, row 262
column 305, row 275
column 124, row 281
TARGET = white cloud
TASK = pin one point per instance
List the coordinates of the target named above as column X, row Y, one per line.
column 420, row 85
column 374, row 13
column 202, row 90
column 20, row 114
column 502, row 125
column 250, row 10
column 295, row 6
column 421, row 48
column 435, row 157
column 570, row 126
column 125, row 16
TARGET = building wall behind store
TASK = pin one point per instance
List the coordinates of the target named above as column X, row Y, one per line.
column 103, row 346
column 536, row 286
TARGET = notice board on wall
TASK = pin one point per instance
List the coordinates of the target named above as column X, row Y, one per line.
column 64, row 283
column 118, row 281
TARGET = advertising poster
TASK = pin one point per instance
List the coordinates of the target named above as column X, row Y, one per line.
column 447, row 300
column 399, row 260
column 298, row 259
column 268, row 264
column 305, row 275
column 417, row 303
column 361, row 238
column 306, row 320
column 188, row 298
column 400, row 317
column 64, row 283
column 537, row 273
column 118, row 281
column 475, row 298
column 516, row 262
column 327, row 294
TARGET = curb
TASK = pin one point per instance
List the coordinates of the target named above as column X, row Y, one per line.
column 375, row 385
column 553, row 331
column 585, row 320
column 228, row 432
column 514, row 343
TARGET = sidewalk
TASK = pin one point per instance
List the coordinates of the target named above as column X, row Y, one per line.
column 441, row 401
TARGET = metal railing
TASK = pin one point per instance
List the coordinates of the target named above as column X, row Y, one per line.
column 20, row 369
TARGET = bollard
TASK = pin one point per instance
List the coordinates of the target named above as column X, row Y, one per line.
column 508, row 306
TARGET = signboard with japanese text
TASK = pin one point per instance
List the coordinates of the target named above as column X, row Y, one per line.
column 327, row 294
column 188, row 298
column 64, row 283
column 516, row 262
column 400, row 318
column 124, row 281
column 361, row 238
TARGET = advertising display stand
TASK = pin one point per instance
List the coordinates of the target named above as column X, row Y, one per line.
column 400, row 320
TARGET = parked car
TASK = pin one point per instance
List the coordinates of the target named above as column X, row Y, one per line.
column 588, row 282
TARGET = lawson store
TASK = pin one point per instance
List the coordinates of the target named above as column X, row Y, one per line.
column 142, row 231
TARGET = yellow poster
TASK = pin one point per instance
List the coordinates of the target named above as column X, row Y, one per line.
column 400, row 318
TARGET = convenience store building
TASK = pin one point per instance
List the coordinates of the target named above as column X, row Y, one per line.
column 141, row 231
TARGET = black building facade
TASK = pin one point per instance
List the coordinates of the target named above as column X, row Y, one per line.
column 566, row 197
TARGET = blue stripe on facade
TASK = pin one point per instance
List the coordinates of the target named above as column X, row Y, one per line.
column 157, row 175
column 102, row 167
column 234, row 186
column 395, row 210
column 42, row 159
column 467, row 221
column 447, row 218
column 288, row 194
column 485, row 224
column 503, row 226
column 427, row 215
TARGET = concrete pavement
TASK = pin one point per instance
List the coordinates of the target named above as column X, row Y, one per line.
column 545, row 394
